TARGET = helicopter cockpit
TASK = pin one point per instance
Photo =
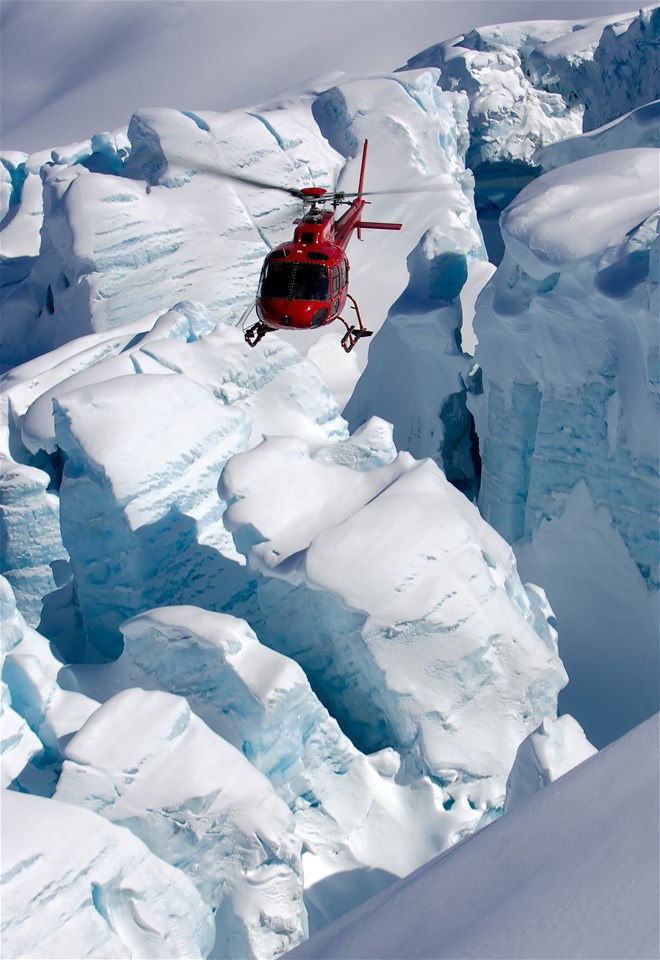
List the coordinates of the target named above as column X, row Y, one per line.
column 294, row 280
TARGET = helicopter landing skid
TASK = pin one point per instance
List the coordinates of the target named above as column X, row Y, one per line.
column 353, row 334
column 256, row 332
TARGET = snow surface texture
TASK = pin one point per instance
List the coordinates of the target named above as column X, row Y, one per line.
column 137, row 763
column 74, row 885
column 420, row 614
column 560, row 876
column 363, row 820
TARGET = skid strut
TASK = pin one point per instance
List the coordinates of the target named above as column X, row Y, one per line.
column 256, row 332
column 353, row 334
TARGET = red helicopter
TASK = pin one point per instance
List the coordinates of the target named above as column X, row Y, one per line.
column 304, row 283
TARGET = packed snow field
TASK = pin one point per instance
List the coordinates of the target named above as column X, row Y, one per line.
column 280, row 625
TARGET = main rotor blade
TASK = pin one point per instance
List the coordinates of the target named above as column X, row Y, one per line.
column 479, row 184
column 242, row 177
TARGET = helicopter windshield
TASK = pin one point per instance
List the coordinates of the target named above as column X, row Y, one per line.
column 292, row 280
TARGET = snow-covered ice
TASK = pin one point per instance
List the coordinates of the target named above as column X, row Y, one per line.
column 362, row 820
column 146, row 762
column 573, row 872
column 75, row 885
column 403, row 607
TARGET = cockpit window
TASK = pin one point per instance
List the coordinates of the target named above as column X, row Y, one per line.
column 287, row 280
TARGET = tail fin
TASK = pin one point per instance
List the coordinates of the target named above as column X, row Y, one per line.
column 366, row 224
column 361, row 183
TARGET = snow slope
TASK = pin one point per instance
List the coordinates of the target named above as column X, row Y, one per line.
column 572, row 872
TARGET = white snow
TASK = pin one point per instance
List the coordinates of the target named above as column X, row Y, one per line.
column 145, row 761
column 75, row 885
column 580, row 209
column 572, row 872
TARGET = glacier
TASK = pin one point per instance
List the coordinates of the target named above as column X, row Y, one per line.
column 199, row 805
column 363, row 820
column 280, row 625
column 104, row 895
column 567, row 419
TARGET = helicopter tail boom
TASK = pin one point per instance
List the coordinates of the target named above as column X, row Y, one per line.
column 373, row 225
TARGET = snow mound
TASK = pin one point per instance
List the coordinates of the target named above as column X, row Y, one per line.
column 146, row 762
column 103, row 895
column 363, row 820
column 581, row 209
column 402, row 606
column 545, row 755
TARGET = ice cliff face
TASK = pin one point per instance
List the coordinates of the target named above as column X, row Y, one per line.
column 567, row 420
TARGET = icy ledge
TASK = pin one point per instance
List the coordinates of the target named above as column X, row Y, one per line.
column 402, row 605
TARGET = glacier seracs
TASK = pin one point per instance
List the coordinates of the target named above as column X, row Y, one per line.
column 147, row 763
column 567, row 418
column 39, row 715
column 363, row 820
column 201, row 398
column 403, row 607
column 91, row 886
column 533, row 83
column 126, row 264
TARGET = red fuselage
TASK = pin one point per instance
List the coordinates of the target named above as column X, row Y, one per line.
column 304, row 283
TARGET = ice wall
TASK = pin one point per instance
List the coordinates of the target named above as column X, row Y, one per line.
column 417, row 372
column 567, row 420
